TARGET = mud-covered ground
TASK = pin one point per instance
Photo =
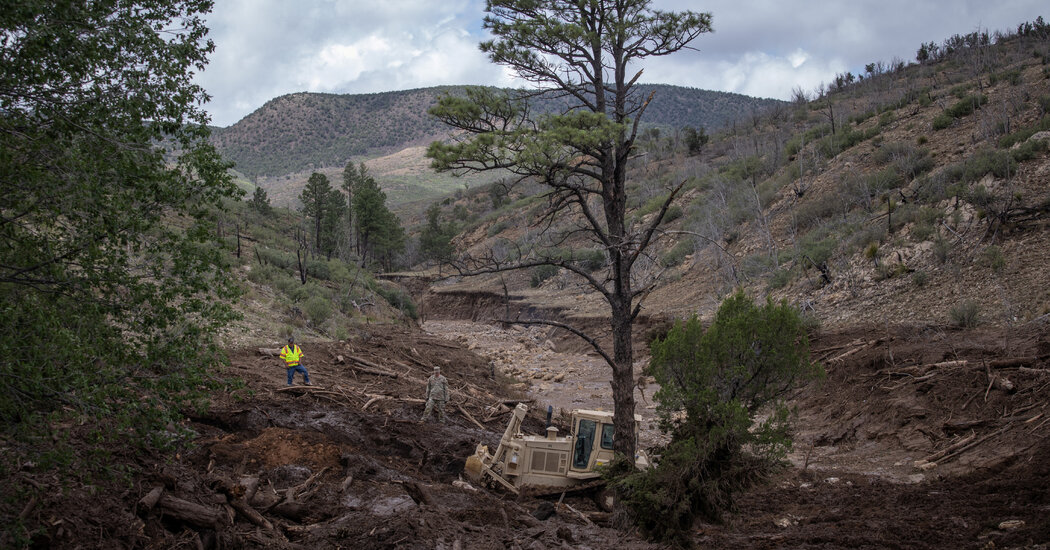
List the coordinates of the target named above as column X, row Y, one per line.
column 918, row 438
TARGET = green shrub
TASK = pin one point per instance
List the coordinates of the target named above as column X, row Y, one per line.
column 922, row 232
column 1001, row 164
column 965, row 314
column 1023, row 134
column 591, row 259
column 713, row 386
column 993, row 257
column 1044, row 103
column 1013, row 76
column 817, row 209
column 318, row 269
column 1030, row 150
column 673, row 213
column 677, row 253
column 541, row 273
column 400, row 300
column 497, row 228
column 818, row 246
column 780, row 278
column 941, row 250
column 942, row 121
column 966, row 106
column 920, row 278
column 872, row 251
column 318, row 309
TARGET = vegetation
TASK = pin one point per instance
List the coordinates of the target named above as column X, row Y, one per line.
column 380, row 236
column 573, row 48
column 111, row 283
column 306, row 131
column 721, row 400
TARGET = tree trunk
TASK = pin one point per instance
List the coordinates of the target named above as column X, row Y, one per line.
column 623, row 384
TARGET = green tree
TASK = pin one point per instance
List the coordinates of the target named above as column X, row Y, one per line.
column 335, row 213
column 721, row 399
column 315, row 198
column 379, row 232
column 111, row 285
column 351, row 175
column 261, row 201
column 695, row 140
column 582, row 51
column 435, row 240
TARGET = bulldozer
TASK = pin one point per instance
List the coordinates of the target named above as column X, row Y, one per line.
column 549, row 464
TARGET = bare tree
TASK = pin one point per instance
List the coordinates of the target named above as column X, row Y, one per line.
column 582, row 52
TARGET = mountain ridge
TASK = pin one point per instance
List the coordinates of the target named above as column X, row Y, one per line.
column 306, row 131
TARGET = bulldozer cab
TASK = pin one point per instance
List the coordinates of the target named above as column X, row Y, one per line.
column 592, row 432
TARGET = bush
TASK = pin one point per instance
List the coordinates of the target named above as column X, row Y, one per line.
column 965, row 314
column 941, row 249
column 399, row 299
column 718, row 446
column 318, row 309
column 541, row 273
column 993, row 258
column 591, row 259
column 676, row 254
column 780, row 278
column 922, row 232
column 1023, row 134
column 920, row 278
column 942, row 121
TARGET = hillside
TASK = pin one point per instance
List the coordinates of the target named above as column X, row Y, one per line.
column 915, row 195
column 279, row 144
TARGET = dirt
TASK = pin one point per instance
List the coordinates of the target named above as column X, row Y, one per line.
column 366, row 474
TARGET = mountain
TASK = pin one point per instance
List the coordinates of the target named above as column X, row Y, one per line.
column 916, row 195
column 302, row 132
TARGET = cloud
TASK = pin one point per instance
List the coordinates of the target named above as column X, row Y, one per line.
column 266, row 48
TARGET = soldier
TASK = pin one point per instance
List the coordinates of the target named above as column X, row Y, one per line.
column 437, row 395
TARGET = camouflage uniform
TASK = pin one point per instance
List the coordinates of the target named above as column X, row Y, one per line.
column 437, row 395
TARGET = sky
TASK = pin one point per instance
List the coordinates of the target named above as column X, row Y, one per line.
column 763, row 48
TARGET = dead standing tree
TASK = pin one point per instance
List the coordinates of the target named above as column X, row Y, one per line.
column 580, row 52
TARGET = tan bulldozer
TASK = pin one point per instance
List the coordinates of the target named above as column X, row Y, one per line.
column 549, row 464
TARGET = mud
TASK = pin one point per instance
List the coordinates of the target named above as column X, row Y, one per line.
column 881, row 460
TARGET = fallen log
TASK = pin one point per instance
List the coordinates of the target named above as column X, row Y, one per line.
column 951, row 448
column 146, row 503
column 969, row 446
column 470, row 418
column 404, row 399
column 372, row 368
column 189, row 512
column 251, row 514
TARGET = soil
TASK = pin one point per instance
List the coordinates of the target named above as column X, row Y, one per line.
column 873, row 465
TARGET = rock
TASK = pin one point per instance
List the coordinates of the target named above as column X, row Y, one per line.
column 1039, row 136
column 544, row 511
column 459, row 483
column 1011, row 524
column 565, row 534
column 783, row 523
column 916, row 478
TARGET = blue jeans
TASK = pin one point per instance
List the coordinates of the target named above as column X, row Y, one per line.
column 295, row 369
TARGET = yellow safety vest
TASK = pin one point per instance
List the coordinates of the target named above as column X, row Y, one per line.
column 291, row 356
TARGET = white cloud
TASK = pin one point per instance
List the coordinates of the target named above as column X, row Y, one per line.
column 266, row 48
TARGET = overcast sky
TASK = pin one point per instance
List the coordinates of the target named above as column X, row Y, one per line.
column 765, row 48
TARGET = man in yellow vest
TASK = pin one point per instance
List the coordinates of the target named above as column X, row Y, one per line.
column 292, row 356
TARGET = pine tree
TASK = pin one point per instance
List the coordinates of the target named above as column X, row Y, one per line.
column 315, row 199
